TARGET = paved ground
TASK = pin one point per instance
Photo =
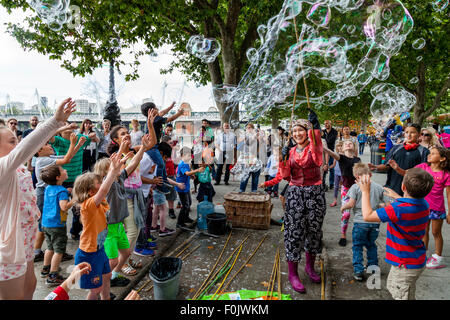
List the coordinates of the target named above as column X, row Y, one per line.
column 339, row 282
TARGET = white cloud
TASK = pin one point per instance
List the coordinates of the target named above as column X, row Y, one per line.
column 22, row 72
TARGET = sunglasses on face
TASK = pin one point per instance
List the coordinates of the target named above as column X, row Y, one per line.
column 13, row 123
column 426, row 135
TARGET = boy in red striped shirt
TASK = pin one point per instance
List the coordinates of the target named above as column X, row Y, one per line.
column 407, row 219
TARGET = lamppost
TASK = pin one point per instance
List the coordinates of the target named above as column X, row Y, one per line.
column 112, row 110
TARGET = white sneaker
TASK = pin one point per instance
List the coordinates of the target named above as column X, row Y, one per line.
column 435, row 263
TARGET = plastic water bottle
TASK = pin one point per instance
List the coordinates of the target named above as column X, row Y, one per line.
column 203, row 209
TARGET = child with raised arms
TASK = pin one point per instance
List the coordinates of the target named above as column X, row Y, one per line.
column 90, row 192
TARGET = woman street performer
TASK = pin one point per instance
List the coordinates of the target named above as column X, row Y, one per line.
column 305, row 199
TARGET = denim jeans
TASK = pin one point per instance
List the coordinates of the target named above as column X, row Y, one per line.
column 331, row 174
column 364, row 235
column 361, row 148
column 77, row 227
column 255, row 179
column 156, row 157
column 186, row 201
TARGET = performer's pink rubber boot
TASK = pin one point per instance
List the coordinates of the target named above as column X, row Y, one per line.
column 309, row 268
column 293, row 277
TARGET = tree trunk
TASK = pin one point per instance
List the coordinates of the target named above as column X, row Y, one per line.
column 228, row 113
column 275, row 118
column 419, row 108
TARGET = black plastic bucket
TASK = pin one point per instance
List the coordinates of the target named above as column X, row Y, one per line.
column 217, row 223
column 165, row 273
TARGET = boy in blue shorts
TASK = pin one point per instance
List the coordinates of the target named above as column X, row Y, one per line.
column 54, row 216
column 184, row 174
column 407, row 219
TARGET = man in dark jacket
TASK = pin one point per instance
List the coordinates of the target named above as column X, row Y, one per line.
column 330, row 135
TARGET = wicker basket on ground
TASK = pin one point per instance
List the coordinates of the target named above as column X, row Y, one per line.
column 248, row 210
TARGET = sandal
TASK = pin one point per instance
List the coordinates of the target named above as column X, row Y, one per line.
column 134, row 264
column 333, row 204
column 128, row 270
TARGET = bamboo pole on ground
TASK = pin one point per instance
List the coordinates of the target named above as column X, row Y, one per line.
column 190, row 252
column 323, row 282
column 226, row 262
column 276, row 273
column 215, row 265
column 232, row 266
column 279, row 276
column 244, row 264
column 272, row 276
column 219, row 274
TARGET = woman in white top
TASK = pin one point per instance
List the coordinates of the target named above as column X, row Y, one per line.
column 136, row 134
column 19, row 212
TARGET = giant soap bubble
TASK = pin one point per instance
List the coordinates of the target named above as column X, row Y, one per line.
column 337, row 46
column 54, row 12
column 389, row 101
column 206, row 49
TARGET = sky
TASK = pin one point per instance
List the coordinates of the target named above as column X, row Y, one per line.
column 22, row 72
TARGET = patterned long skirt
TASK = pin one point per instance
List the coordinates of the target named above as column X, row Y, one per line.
column 303, row 219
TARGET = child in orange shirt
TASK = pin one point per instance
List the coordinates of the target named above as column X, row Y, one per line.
column 90, row 192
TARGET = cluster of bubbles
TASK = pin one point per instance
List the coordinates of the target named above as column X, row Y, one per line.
column 206, row 49
column 244, row 167
column 54, row 12
column 337, row 46
column 389, row 101
column 440, row 5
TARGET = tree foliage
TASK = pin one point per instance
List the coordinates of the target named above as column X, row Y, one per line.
column 234, row 23
column 433, row 71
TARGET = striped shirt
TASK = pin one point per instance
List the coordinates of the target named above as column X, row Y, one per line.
column 75, row 166
column 407, row 220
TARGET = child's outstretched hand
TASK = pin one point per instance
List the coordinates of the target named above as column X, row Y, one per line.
column 116, row 163
column 201, row 169
column 78, row 271
column 364, row 183
column 125, row 145
column 393, row 164
column 81, row 141
column 70, row 126
column 133, row 295
column 159, row 181
column 181, row 186
column 124, row 160
column 147, row 142
column 391, row 193
column 73, row 138
column 65, row 109
column 152, row 114
column 92, row 135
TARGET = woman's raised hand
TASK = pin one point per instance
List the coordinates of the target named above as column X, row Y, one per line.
column 65, row 109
